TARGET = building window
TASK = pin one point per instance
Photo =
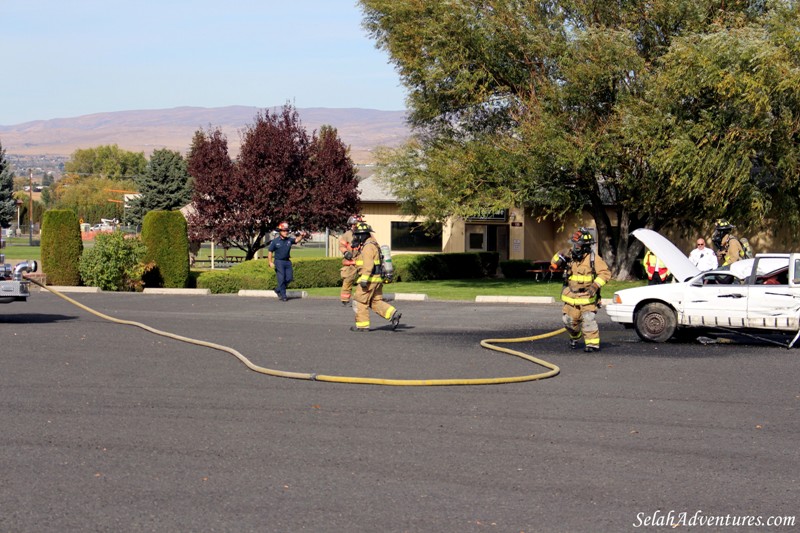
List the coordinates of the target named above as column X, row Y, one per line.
column 414, row 237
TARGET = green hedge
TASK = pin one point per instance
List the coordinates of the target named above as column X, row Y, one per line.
column 516, row 269
column 256, row 274
column 61, row 247
column 165, row 235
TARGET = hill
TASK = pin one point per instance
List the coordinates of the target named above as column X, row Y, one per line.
column 148, row 130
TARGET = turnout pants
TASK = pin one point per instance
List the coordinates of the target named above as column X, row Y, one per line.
column 580, row 321
column 372, row 298
column 349, row 274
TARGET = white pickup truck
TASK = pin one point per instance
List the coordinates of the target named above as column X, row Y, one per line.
column 759, row 295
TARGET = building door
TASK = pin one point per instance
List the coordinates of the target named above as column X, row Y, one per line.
column 487, row 238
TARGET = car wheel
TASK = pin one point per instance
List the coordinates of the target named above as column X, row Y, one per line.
column 655, row 322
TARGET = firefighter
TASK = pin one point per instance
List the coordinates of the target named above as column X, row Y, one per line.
column 369, row 293
column 585, row 274
column 657, row 271
column 348, row 270
column 729, row 248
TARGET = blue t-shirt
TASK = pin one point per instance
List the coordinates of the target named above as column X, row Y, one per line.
column 281, row 247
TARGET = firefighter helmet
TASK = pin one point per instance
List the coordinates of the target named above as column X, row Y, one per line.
column 724, row 225
column 354, row 219
column 582, row 237
column 582, row 241
column 722, row 228
column 362, row 228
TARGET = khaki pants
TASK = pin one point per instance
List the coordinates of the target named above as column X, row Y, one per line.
column 372, row 298
column 580, row 320
column 349, row 274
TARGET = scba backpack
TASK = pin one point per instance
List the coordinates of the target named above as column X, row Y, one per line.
column 747, row 250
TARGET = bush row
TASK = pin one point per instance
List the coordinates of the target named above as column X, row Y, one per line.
column 159, row 259
column 309, row 273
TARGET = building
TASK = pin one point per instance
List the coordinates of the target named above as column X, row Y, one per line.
column 512, row 233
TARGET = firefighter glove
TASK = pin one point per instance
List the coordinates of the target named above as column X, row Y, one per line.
column 363, row 284
column 348, row 255
column 593, row 288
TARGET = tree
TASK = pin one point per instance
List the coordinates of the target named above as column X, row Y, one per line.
column 91, row 181
column 565, row 105
column 109, row 161
column 333, row 193
column 280, row 174
column 88, row 196
column 7, row 203
column 164, row 186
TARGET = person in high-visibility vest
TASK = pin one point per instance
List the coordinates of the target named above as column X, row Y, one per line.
column 585, row 274
column 657, row 271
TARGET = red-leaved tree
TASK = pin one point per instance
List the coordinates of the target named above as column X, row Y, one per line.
column 280, row 175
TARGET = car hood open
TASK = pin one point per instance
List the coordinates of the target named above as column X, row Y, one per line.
column 675, row 260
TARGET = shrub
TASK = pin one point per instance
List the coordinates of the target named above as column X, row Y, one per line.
column 164, row 233
column 516, row 269
column 423, row 267
column 256, row 274
column 114, row 263
column 61, row 247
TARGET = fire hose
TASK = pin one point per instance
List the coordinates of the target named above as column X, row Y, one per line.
column 486, row 343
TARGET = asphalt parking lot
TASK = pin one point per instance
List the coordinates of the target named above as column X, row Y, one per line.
column 107, row 427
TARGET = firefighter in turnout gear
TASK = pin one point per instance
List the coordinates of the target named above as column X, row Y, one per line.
column 584, row 275
column 369, row 293
column 729, row 248
column 348, row 270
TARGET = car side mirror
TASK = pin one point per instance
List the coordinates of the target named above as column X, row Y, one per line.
column 796, row 281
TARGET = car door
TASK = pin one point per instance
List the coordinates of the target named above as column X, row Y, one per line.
column 714, row 299
column 774, row 294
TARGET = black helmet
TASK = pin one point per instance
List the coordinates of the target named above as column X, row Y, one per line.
column 362, row 228
column 360, row 234
column 724, row 225
column 581, row 241
column 722, row 228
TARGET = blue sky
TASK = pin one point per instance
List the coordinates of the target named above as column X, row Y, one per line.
column 70, row 58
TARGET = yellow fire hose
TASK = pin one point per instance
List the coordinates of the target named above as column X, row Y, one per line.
column 486, row 343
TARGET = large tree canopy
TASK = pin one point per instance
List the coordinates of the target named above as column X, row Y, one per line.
column 108, row 161
column 672, row 112
column 94, row 181
column 281, row 174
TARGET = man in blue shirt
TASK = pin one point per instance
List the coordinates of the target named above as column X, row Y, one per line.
column 280, row 248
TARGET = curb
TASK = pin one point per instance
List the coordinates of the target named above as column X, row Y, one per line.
column 271, row 294
column 67, row 288
column 515, row 299
column 409, row 296
column 196, row 292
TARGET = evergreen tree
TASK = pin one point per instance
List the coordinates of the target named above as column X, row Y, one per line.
column 164, row 186
column 7, row 203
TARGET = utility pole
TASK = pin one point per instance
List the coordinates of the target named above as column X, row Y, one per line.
column 30, row 210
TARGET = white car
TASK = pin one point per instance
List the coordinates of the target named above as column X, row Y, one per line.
column 752, row 295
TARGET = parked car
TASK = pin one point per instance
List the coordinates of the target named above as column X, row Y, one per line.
column 752, row 295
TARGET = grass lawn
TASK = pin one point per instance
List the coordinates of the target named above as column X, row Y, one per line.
column 468, row 289
column 17, row 249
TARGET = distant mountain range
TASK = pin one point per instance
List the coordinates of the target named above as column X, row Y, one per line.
column 147, row 130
